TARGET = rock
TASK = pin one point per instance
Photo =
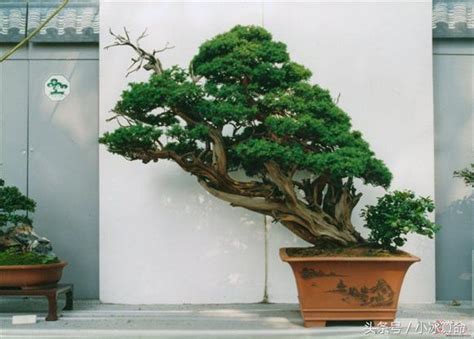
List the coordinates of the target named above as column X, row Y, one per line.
column 24, row 237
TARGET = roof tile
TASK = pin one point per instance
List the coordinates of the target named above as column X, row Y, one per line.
column 453, row 18
column 78, row 22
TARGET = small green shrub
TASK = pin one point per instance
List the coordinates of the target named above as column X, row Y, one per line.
column 397, row 214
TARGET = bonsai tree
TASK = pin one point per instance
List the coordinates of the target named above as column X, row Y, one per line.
column 14, row 207
column 467, row 175
column 242, row 104
column 19, row 244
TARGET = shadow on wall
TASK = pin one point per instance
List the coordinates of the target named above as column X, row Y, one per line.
column 457, row 235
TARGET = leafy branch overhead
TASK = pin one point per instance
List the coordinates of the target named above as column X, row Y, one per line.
column 242, row 104
column 467, row 175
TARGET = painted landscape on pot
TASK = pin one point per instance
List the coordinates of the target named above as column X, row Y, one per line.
column 381, row 294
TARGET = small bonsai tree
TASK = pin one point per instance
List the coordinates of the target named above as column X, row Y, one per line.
column 14, row 207
column 242, row 104
column 467, row 175
column 19, row 245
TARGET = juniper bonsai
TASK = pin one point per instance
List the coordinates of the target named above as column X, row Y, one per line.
column 244, row 105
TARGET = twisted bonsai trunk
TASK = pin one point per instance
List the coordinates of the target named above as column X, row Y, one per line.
column 314, row 216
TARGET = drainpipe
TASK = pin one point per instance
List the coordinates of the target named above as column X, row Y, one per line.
column 265, row 288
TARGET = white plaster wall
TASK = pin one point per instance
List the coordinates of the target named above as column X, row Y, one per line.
column 164, row 240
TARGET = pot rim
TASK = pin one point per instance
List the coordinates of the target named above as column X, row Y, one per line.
column 60, row 264
column 285, row 257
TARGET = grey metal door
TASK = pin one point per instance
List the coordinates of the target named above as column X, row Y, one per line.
column 49, row 150
column 63, row 167
column 453, row 63
column 13, row 123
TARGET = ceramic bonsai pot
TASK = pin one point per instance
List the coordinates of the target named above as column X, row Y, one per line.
column 27, row 276
column 348, row 288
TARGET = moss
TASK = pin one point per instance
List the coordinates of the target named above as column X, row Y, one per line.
column 13, row 257
column 350, row 251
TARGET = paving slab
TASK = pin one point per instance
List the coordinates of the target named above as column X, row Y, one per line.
column 92, row 319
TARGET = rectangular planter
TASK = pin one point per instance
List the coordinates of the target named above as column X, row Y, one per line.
column 348, row 288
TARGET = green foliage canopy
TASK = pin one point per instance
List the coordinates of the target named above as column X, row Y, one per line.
column 243, row 84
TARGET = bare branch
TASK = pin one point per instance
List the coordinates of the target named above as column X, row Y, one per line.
column 144, row 59
column 167, row 46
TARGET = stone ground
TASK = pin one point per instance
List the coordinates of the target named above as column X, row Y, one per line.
column 91, row 319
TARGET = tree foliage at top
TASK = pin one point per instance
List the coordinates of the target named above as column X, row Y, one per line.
column 242, row 104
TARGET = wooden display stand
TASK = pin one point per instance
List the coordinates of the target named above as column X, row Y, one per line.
column 50, row 292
